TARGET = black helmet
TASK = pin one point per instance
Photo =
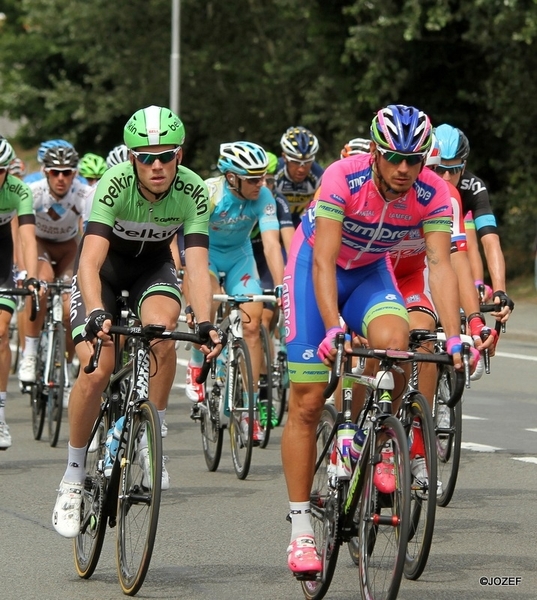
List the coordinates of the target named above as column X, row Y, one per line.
column 60, row 156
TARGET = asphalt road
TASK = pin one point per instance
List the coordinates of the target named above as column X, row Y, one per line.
column 225, row 539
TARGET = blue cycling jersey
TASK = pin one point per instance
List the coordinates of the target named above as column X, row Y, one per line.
column 233, row 219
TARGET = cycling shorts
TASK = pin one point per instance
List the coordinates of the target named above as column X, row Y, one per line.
column 238, row 264
column 416, row 293
column 363, row 294
column 149, row 275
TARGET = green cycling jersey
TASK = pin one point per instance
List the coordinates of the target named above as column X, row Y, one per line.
column 135, row 226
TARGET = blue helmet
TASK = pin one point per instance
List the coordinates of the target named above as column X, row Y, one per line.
column 453, row 142
column 300, row 143
column 51, row 144
column 243, row 158
column 402, row 128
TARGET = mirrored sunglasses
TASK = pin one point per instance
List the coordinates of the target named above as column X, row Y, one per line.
column 396, row 158
column 451, row 169
column 58, row 172
column 269, row 180
column 253, row 180
column 300, row 163
column 148, row 158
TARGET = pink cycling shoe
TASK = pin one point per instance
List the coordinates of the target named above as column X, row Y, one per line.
column 302, row 556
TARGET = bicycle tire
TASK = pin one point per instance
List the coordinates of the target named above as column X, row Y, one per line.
column 384, row 518
column 212, row 432
column 266, row 346
column 38, row 399
column 448, row 440
column 323, row 511
column 14, row 343
column 422, row 494
column 56, row 384
column 88, row 544
column 241, row 430
column 138, row 503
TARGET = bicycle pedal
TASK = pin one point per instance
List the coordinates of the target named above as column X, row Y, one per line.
column 195, row 413
column 307, row 576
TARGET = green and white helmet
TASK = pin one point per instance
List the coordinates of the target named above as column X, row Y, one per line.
column 7, row 154
column 153, row 126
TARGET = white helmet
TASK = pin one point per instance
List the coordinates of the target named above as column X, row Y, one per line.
column 356, row 146
column 243, row 158
column 117, row 155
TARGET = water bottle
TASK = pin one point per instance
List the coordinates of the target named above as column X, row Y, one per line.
column 112, row 445
column 57, row 308
column 356, row 446
column 221, row 362
column 345, row 436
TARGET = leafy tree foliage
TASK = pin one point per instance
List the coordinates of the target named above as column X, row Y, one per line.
column 250, row 68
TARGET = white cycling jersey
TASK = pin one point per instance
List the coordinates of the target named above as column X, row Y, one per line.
column 58, row 220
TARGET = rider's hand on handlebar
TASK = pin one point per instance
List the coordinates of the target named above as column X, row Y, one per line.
column 98, row 324
column 215, row 339
column 327, row 348
column 505, row 305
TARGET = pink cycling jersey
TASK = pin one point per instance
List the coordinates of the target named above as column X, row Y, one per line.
column 408, row 255
column 371, row 226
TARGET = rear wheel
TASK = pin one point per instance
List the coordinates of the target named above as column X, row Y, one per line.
column 384, row 518
column 324, row 508
column 265, row 409
column 138, row 502
column 241, row 418
column 89, row 542
column 422, row 489
column 448, row 428
column 56, row 384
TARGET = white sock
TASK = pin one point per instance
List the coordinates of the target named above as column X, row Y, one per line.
column 300, row 519
column 30, row 346
column 197, row 358
column 2, row 405
column 161, row 416
column 75, row 472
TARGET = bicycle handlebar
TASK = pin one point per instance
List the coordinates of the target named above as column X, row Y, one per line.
column 240, row 299
column 24, row 292
column 150, row 332
column 395, row 356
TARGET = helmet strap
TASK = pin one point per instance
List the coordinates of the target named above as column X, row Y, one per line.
column 236, row 189
column 382, row 182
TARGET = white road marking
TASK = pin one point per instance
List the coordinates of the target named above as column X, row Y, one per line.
column 516, row 356
column 478, row 447
column 470, row 418
column 532, row 429
column 528, row 459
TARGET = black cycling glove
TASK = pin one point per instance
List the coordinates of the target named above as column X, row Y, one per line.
column 206, row 327
column 94, row 322
column 504, row 299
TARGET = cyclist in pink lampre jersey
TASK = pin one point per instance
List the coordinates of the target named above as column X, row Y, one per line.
column 339, row 265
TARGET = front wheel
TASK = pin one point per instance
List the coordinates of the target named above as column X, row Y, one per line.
column 56, row 384
column 324, row 508
column 89, row 542
column 138, row 502
column 423, row 485
column 241, row 418
column 212, row 433
column 383, row 526
column 38, row 395
column 448, row 428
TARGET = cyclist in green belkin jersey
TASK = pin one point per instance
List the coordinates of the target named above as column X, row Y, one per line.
column 15, row 201
column 136, row 210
